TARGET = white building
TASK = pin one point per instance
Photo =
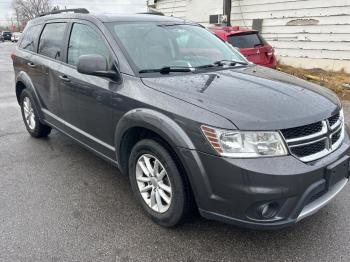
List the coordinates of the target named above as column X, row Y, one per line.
column 305, row 33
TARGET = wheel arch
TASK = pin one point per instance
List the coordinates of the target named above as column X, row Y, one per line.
column 20, row 86
column 142, row 123
column 23, row 81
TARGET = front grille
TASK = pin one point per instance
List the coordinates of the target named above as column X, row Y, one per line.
column 301, row 131
column 309, row 149
column 336, row 136
column 333, row 119
column 313, row 141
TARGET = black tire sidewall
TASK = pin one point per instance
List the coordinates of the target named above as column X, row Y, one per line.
column 176, row 212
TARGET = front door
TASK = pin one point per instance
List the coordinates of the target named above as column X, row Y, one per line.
column 87, row 100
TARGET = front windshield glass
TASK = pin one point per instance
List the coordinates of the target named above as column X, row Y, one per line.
column 154, row 46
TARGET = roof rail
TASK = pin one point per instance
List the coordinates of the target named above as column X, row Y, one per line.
column 74, row 10
column 152, row 12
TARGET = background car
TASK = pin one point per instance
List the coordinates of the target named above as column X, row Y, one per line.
column 7, row 35
column 1, row 38
column 15, row 36
column 250, row 43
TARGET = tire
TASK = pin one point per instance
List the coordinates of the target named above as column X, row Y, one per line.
column 180, row 205
column 33, row 125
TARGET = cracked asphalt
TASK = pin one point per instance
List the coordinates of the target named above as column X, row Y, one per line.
column 59, row 202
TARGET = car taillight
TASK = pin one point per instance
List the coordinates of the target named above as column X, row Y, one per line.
column 13, row 56
column 270, row 52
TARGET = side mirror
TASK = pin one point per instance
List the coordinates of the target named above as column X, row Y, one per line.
column 96, row 65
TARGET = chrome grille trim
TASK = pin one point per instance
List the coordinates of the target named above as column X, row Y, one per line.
column 315, row 156
column 325, row 134
column 308, row 143
column 336, row 125
column 337, row 118
column 309, row 137
column 341, row 138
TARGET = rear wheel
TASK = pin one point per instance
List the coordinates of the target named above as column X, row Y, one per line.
column 30, row 116
column 158, row 185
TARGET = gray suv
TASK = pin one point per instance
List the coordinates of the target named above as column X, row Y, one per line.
column 185, row 116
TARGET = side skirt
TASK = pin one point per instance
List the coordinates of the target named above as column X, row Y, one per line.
column 95, row 151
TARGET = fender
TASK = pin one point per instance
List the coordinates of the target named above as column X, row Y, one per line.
column 175, row 136
column 24, row 78
column 156, row 122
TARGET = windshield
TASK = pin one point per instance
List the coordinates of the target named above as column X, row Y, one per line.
column 152, row 46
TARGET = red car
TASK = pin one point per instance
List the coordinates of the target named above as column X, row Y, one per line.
column 250, row 43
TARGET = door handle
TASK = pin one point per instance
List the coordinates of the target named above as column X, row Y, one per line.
column 31, row 64
column 64, row 78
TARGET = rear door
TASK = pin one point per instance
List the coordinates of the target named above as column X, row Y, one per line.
column 252, row 46
column 27, row 49
column 45, row 66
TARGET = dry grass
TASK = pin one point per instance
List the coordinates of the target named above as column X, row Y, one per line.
column 332, row 80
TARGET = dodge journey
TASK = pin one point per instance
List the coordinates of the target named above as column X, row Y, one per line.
column 193, row 124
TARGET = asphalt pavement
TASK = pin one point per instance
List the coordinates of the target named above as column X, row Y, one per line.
column 59, row 202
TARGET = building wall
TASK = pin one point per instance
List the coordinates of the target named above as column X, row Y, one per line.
column 305, row 33
column 176, row 8
column 194, row 10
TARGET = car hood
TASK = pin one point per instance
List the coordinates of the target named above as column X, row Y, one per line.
column 253, row 97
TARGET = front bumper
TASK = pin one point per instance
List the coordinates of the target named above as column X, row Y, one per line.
column 234, row 190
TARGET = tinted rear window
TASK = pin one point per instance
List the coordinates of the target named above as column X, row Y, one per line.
column 30, row 35
column 51, row 40
column 245, row 40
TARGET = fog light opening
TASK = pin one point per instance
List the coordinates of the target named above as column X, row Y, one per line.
column 269, row 210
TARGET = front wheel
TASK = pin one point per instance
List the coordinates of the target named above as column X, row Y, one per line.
column 157, row 183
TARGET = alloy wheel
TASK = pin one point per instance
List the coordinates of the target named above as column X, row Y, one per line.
column 153, row 183
column 29, row 114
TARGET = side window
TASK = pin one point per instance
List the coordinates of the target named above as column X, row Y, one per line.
column 51, row 40
column 84, row 40
column 30, row 35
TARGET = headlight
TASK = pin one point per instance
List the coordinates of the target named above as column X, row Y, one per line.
column 242, row 144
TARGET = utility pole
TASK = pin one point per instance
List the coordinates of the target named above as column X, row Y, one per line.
column 227, row 11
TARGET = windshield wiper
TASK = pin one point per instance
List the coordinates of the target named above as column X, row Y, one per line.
column 166, row 70
column 221, row 63
column 205, row 66
column 229, row 62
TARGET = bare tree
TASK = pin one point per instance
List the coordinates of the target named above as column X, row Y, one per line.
column 28, row 9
